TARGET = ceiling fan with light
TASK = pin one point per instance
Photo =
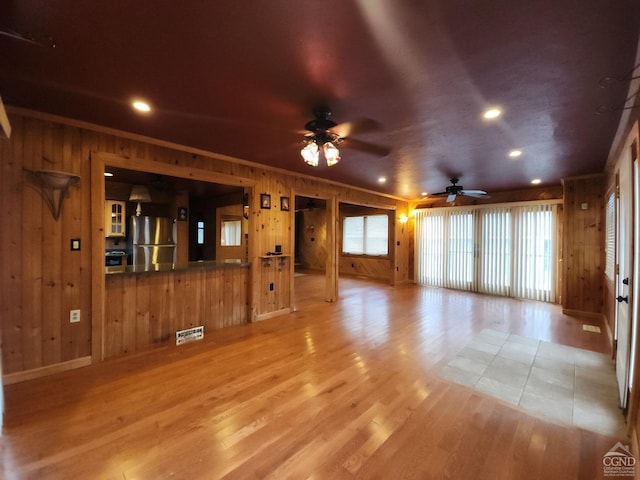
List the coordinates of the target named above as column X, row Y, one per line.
column 453, row 190
column 321, row 132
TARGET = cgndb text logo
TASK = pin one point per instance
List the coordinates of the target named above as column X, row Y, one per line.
column 619, row 462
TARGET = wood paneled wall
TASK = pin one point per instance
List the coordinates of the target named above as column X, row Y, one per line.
column 42, row 279
column 313, row 239
column 583, row 243
column 145, row 310
column 370, row 267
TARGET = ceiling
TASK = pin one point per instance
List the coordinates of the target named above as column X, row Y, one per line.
column 241, row 77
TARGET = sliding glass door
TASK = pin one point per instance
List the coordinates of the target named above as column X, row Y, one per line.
column 505, row 250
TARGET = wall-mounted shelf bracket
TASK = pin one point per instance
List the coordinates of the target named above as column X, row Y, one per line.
column 54, row 186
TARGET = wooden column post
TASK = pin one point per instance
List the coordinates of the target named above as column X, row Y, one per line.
column 331, row 293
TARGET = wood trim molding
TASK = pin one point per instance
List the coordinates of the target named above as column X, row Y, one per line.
column 579, row 313
column 97, row 165
column 184, row 148
column 608, row 329
column 18, row 377
column 277, row 313
column 98, row 161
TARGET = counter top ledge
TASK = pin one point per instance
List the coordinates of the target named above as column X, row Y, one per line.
column 170, row 267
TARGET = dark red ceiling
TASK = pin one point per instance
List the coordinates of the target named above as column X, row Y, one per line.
column 240, row 78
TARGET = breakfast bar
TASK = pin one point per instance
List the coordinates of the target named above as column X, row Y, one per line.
column 145, row 307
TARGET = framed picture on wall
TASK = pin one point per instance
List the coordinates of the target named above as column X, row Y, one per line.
column 265, row 200
column 284, row 204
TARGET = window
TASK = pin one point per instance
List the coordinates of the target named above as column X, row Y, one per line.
column 230, row 234
column 507, row 251
column 200, row 233
column 366, row 235
column 610, row 241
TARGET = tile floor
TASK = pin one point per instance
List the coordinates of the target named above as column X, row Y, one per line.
column 562, row 383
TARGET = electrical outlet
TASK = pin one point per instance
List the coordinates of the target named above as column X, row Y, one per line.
column 74, row 316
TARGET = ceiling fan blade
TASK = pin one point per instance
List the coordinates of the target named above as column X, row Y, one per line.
column 451, row 197
column 366, row 147
column 364, row 125
column 439, row 194
column 475, row 195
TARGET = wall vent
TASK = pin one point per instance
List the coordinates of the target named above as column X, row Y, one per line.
column 189, row 335
column 591, row 328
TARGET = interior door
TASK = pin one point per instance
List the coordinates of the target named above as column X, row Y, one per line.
column 624, row 239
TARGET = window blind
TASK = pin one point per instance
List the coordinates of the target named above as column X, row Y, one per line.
column 610, row 241
column 507, row 251
column 366, row 235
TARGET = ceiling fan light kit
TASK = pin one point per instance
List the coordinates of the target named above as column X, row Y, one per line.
column 328, row 134
column 311, row 153
column 321, row 136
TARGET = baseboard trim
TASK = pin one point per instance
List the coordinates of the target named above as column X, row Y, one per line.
column 633, row 434
column 277, row 313
column 18, row 377
column 607, row 327
column 579, row 313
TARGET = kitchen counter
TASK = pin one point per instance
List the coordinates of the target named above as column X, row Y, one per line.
column 170, row 267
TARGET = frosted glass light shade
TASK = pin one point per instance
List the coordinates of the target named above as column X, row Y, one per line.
column 310, row 153
column 331, row 153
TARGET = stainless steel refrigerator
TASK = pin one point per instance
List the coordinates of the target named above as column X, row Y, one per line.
column 154, row 241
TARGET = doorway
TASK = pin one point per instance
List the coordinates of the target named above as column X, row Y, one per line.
column 311, row 243
column 625, row 179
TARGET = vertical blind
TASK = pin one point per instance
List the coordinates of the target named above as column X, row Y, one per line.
column 507, row 251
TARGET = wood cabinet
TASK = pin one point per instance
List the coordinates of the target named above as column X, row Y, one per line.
column 115, row 224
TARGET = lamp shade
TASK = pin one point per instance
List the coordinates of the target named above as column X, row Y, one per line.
column 139, row 193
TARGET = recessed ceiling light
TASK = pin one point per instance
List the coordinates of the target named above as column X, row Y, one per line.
column 424, row 194
column 536, row 181
column 382, row 179
column 108, row 174
column 515, row 153
column 492, row 113
column 141, row 106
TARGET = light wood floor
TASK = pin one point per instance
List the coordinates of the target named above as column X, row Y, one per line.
column 343, row 390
